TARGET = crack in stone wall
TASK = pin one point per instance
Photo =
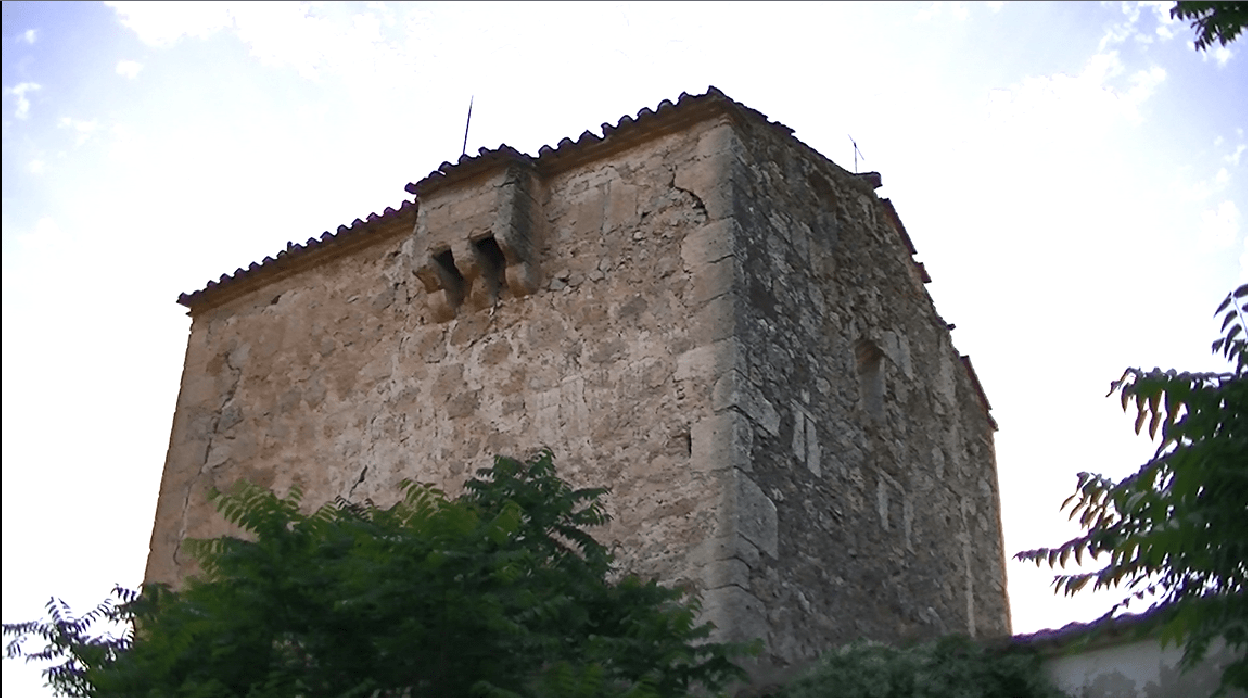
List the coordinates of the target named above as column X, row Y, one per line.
column 220, row 420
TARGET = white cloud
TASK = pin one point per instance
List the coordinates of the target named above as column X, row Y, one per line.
column 129, row 69
column 23, row 103
column 1143, row 84
column 1233, row 158
column 293, row 35
column 44, row 240
column 1165, row 23
column 286, row 34
column 1102, row 67
column 1196, row 191
column 995, row 6
column 1222, row 177
column 126, row 145
column 1076, row 104
column 1243, row 263
column 1222, row 54
column 28, row 36
column 163, row 24
column 84, row 128
column 47, row 228
column 1219, row 227
column 1132, row 25
column 1120, row 32
column 959, row 10
column 36, row 167
column 306, row 37
column 928, row 12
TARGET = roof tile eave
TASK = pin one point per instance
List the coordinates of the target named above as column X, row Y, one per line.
column 567, row 150
column 257, row 270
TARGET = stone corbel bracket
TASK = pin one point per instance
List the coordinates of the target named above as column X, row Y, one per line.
column 475, row 239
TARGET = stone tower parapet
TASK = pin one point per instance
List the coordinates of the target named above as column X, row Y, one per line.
column 475, row 235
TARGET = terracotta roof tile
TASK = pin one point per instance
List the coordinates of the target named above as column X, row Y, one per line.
column 467, row 166
column 567, row 150
column 293, row 251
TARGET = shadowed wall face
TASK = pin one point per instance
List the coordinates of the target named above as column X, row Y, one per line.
column 882, row 466
column 701, row 313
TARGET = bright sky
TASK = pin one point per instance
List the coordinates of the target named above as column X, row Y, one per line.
column 1072, row 175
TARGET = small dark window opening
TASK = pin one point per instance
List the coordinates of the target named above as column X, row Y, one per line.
column 446, row 268
column 492, row 261
column 871, row 378
column 451, row 280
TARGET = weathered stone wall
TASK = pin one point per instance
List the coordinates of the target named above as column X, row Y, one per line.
column 876, row 450
column 703, row 314
column 347, row 377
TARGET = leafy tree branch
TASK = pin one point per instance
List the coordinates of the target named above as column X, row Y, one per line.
column 1176, row 529
column 1213, row 21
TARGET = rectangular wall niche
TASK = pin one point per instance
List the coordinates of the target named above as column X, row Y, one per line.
column 451, row 279
column 870, row 379
column 493, row 266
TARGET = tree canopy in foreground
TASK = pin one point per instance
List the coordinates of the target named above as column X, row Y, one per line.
column 500, row 592
column 951, row 667
column 1220, row 22
column 1177, row 529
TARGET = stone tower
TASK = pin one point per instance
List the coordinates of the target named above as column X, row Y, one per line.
column 695, row 309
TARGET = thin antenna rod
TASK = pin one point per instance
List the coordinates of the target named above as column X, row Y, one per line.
column 469, row 121
column 857, row 154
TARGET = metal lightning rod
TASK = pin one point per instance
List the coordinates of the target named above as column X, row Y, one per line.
column 466, row 124
column 857, row 153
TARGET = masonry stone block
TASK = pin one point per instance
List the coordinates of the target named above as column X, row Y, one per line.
column 729, row 546
column 716, row 319
column 717, row 278
column 720, row 441
column 709, row 361
column 734, row 390
column 755, row 515
column 737, row 614
column 704, row 179
column 710, row 243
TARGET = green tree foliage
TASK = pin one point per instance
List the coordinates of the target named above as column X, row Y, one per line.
column 953, row 667
column 1177, row 528
column 499, row 593
column 1213, row 21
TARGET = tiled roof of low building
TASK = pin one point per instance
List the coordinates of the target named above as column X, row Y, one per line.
column 1125, row 627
